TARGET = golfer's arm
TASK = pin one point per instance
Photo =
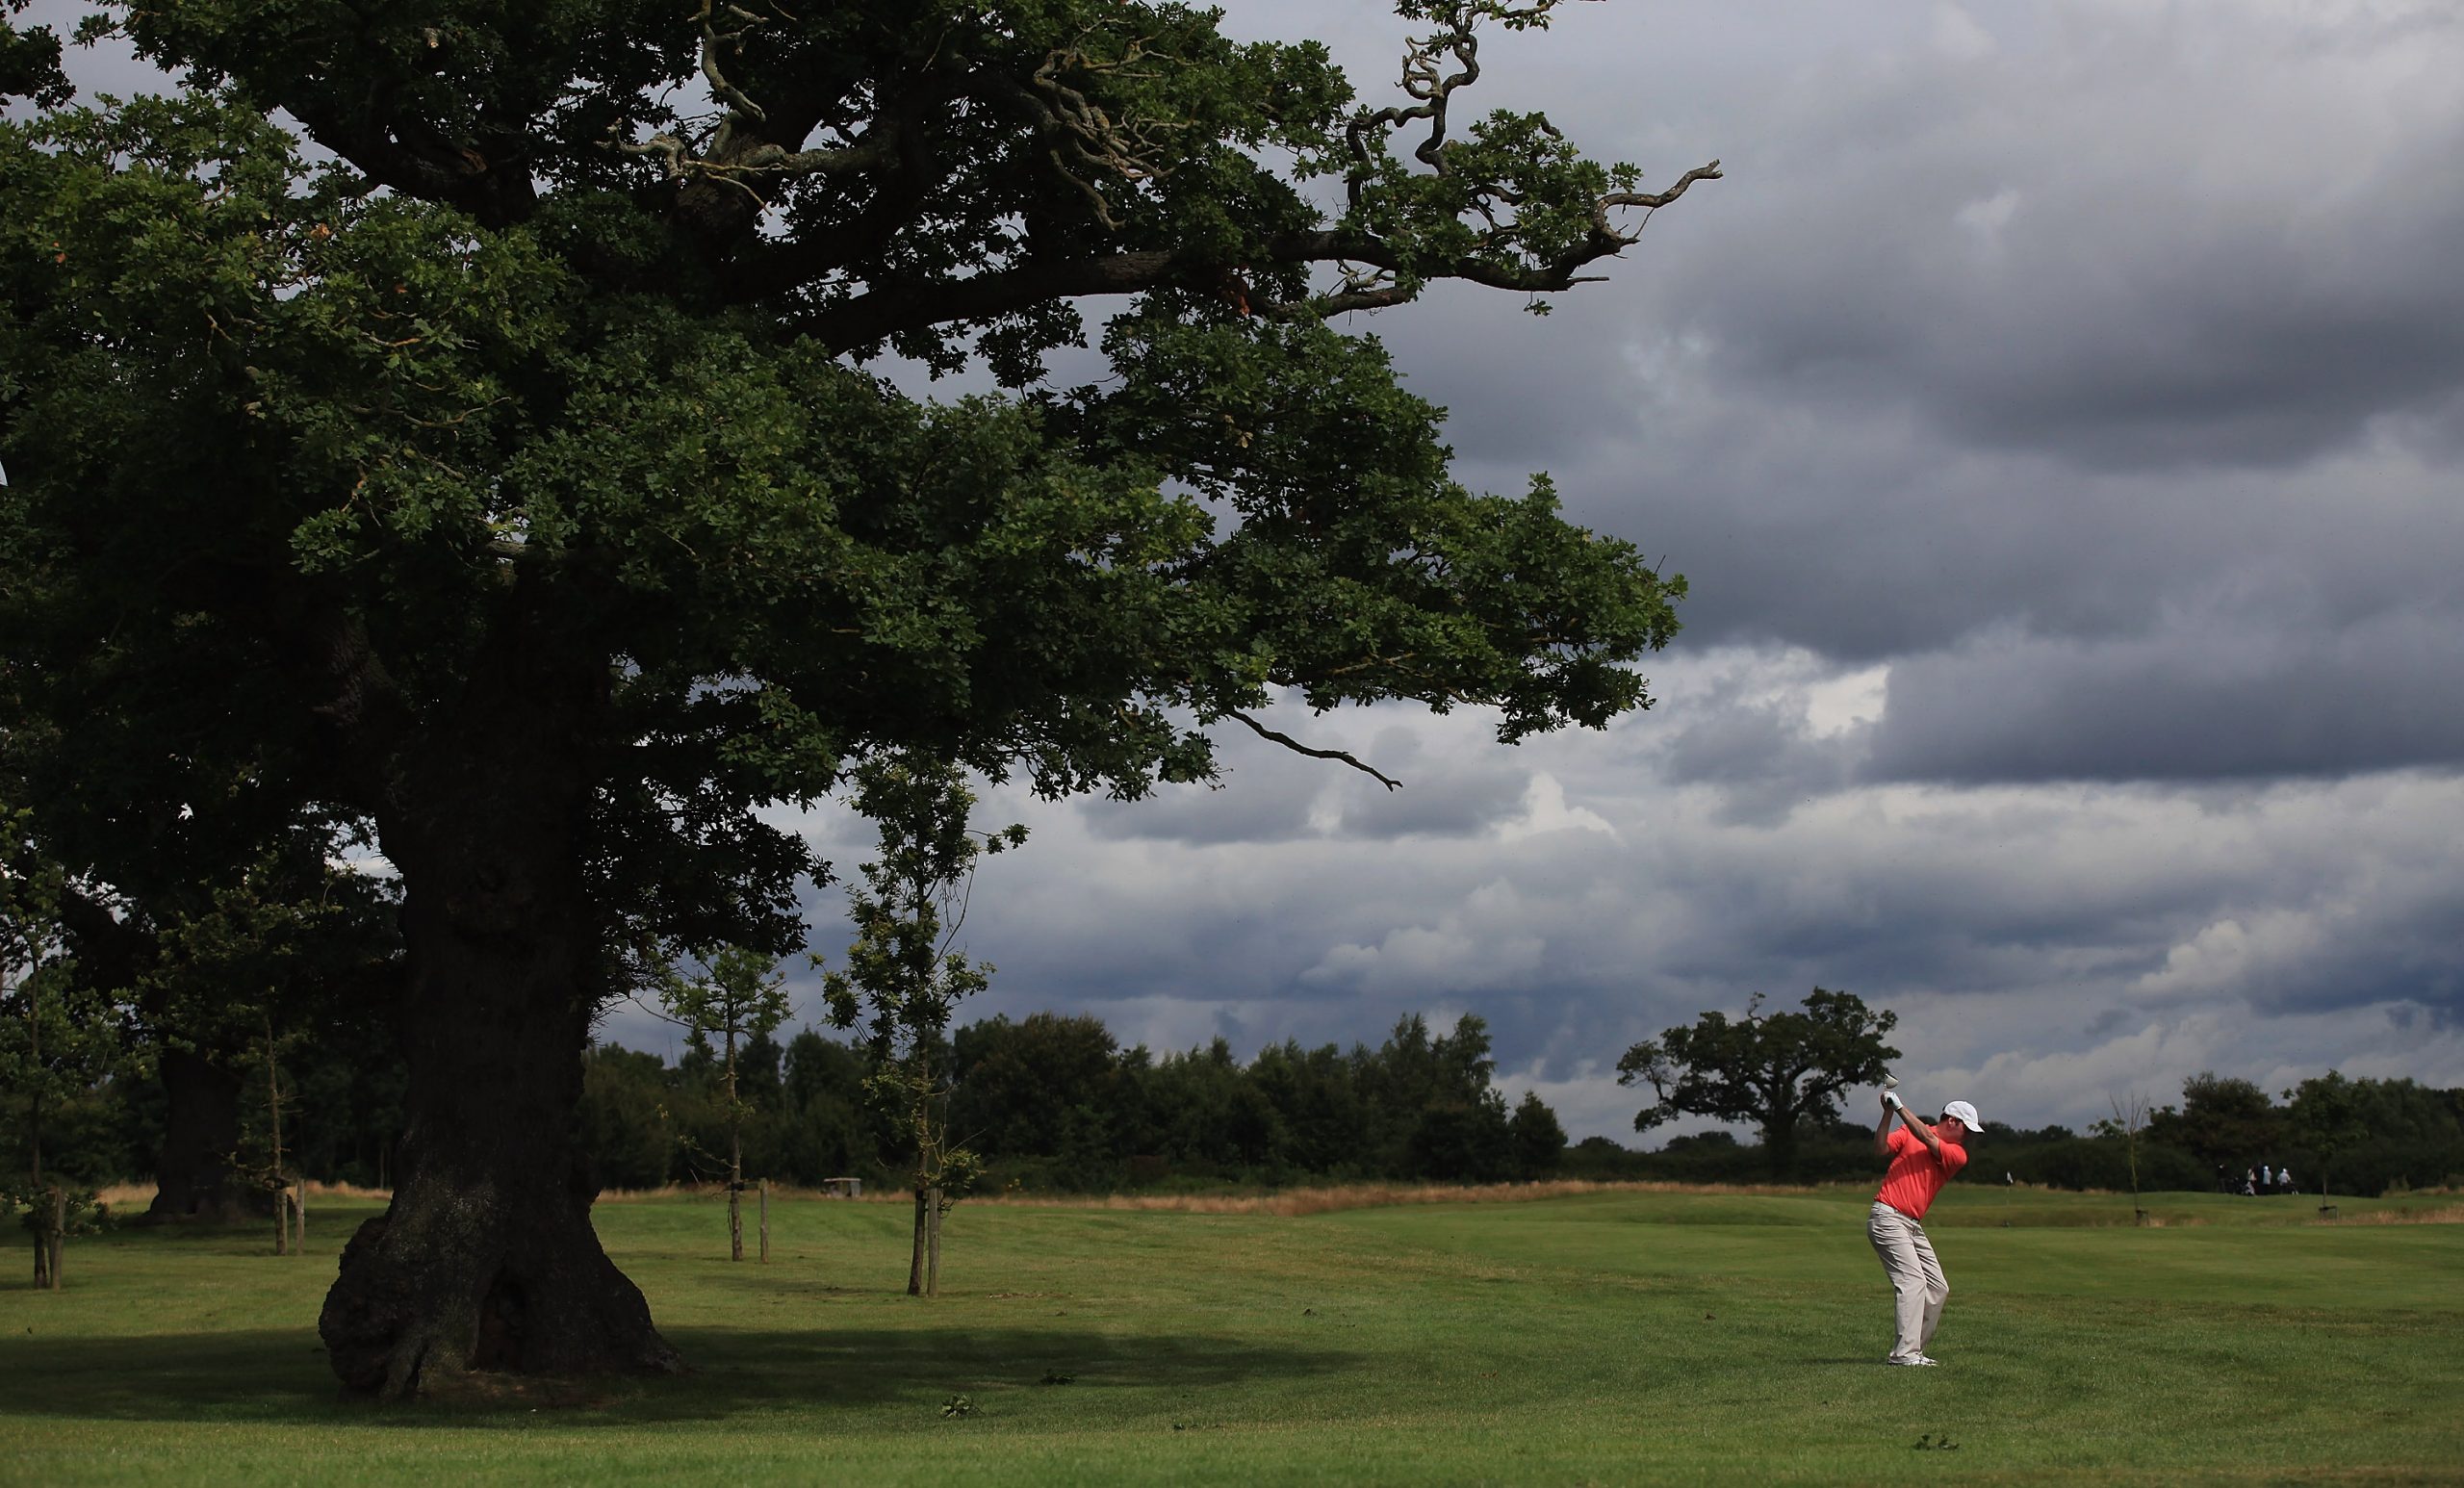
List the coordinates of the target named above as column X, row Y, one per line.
column 1881, row 1135
column 1924, row 1133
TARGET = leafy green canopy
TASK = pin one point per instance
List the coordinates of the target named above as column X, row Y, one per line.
column 528, row 364
column 30, row 59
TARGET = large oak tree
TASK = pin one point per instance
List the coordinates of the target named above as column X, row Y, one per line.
column 1783, row 1071
column 457, row 416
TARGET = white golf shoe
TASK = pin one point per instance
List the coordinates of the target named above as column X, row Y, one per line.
column 1911, row 1361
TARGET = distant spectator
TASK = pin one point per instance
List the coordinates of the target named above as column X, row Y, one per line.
column 2249, row 1183
column 2284, row 1179
column 2266, row 1175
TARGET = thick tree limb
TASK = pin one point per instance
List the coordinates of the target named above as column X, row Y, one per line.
column 884, row 311
column 1298, row 748
column 492, row 186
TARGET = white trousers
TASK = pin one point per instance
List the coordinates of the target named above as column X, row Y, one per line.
column 1916, row 1281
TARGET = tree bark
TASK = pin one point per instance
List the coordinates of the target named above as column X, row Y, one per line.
column 735, row 1161
column 915, row 1262
column 485, row 1259
column 47, row 1275
column 193, row 1177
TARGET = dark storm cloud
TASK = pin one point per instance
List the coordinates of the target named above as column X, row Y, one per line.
column 2161, row 236
column 2378, row 695
column 2105, row 321
column 2036, row 325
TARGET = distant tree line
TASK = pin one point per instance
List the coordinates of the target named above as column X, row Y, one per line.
column 1053, row 1103
column 2353, row 1135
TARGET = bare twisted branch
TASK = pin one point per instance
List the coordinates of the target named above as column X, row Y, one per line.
column 1298, row 748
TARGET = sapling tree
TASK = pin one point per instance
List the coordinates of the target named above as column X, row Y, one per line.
column 261, row 1158
column 904, row 976
column 2126, row 1125
column 466, row 419
column 739, row 994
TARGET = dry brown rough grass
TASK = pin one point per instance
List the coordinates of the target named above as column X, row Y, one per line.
column 121, row 1197
column 2438, row 1213
column 1291, row 1203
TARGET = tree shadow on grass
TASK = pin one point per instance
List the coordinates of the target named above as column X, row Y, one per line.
column 278, row 1376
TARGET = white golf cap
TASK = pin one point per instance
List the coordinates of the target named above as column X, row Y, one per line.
column 1962, row 1112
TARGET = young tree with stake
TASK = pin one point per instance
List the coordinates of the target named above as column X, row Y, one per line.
column 904, row 979
column 2127, row 1124
column 740, row 994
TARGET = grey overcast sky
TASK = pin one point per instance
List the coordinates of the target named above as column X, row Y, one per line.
column 2059, row 412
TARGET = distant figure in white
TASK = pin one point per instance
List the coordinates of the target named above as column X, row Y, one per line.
column 1922, row 1159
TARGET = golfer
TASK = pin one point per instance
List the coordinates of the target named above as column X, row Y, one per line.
column 1922, row 1159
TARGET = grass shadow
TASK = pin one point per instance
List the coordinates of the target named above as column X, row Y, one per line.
column 278, row 1376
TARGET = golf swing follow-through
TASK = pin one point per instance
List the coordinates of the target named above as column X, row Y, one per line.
column 1922, row 1159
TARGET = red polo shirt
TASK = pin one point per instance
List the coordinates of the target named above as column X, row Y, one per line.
column 1916, row 1174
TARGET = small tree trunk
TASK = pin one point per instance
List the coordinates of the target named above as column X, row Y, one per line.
column 915, row 1263
column 299, row 1218
column 765, row 1221
column 34, row 1106
column 735, row 1161
column 274, row 1111
column 933, row 1245
column 46, row 1253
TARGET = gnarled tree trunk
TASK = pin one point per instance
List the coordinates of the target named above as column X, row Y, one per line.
column 486, row 1259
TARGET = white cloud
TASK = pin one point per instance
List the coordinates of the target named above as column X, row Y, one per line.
column 1545, row 811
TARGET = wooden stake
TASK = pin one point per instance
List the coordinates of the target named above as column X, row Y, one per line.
column 59, row 1232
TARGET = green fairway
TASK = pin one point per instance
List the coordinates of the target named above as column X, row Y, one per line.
column 1618, row 1337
